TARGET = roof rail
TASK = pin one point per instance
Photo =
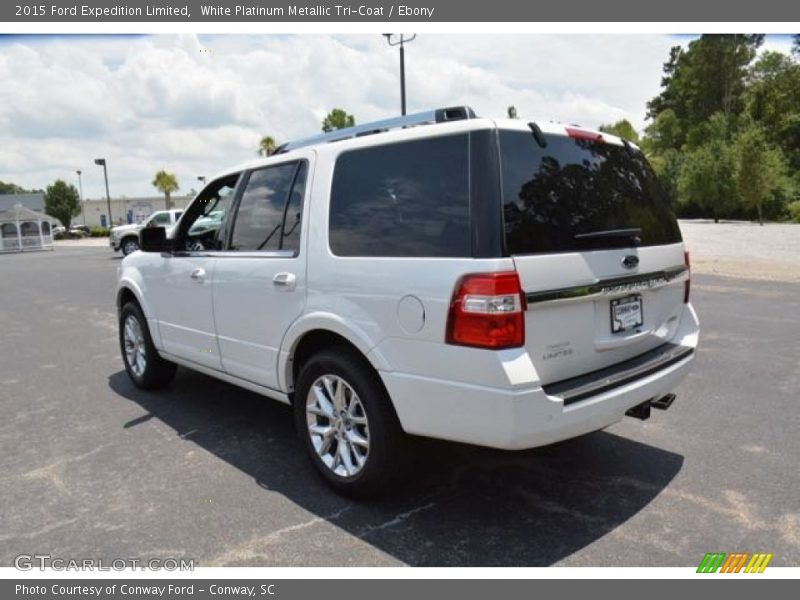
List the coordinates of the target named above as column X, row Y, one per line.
column 439, row 115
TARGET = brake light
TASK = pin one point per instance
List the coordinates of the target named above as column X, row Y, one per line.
column 688, row 283
column 583, row 134
column 487, row 311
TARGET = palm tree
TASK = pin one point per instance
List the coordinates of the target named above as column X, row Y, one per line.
column 166, row 184
column 267, row 145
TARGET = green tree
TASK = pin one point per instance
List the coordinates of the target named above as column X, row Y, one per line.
column 773, row 101
column 13, row 188
column 666, row 100
column 664, row 133
column 166, row 183
column 337, row 119
column 61, row 200
column 761, row 168
column 623, row 129
column 667, row 167
column 707, row 176
column 512, row 112
column 267, row 146
column 707, row 77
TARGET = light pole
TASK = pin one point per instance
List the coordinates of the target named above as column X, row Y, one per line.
column 102, row 161
column 401, row 40
column 80, row 191
column 202, row 179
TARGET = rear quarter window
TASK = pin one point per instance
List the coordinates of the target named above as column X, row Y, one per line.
column 408, row 199
column 572, row 187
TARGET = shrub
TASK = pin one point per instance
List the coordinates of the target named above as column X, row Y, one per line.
column 794, row 210
column 98, row 231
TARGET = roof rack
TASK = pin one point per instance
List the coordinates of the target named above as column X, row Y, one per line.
column 439, row 115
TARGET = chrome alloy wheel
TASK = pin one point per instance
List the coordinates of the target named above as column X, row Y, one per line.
column 337, row 424
column 129, row 247
column 134, row 346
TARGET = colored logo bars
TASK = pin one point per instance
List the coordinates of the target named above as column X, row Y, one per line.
column 734, row 563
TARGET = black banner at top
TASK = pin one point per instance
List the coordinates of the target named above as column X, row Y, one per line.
column 344, row 11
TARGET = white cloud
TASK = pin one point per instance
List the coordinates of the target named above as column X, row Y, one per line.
column 194, row 105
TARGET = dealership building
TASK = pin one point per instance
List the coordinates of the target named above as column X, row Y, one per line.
column 94, row 211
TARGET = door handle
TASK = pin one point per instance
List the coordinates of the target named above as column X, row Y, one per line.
column 198, row 275
column 285, row 282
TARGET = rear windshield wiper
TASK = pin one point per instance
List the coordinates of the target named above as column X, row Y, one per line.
column 633, row 233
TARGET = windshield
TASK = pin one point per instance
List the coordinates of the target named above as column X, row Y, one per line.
column 556, row 197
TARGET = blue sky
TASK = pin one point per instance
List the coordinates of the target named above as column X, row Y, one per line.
column 197, row 104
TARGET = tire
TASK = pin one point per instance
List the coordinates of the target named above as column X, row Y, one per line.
column 369, row 415
column 129, row 245
column 142, row 362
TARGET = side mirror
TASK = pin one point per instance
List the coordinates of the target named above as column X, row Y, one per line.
column 154, row 239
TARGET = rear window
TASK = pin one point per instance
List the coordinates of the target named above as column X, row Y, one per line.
column 407, row 199
column 573, row 187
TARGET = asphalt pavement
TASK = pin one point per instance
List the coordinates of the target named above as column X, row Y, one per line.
column 93, row 467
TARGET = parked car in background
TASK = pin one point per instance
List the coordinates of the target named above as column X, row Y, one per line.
column 503, row 283
column 126, row 237
column 78, row 231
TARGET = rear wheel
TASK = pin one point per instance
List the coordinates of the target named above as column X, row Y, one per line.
column 347, row 423
column 142, row 362
column 129, row 245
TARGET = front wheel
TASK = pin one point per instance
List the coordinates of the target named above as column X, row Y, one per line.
column 129, row 246
column 347, row 423
column 142, row 362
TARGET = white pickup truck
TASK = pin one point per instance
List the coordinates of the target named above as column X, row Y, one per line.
column 126, row 237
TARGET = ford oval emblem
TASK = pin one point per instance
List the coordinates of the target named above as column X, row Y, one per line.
column 630, row 262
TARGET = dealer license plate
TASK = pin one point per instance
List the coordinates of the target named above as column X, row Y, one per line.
column 626, row 313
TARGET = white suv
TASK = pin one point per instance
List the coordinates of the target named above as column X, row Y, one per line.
column 126, row 237
column 494, row 282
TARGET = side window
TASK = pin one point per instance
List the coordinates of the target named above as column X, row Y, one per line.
column 405, row 199
column 268, row 214
column 294, row 211
column 29, row 228
column 204, row 225
column 161, row 219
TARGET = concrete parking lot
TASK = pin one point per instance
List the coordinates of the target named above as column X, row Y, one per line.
column 744, row 249
column 93, row 467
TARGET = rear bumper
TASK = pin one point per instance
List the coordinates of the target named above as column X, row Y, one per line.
column 592, row 384
column 514, row 419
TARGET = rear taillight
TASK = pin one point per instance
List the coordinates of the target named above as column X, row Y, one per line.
column 487, row 311
column 688, row 283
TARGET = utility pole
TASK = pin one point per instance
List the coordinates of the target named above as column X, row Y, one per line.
column 80, row 191
column 102, row 161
